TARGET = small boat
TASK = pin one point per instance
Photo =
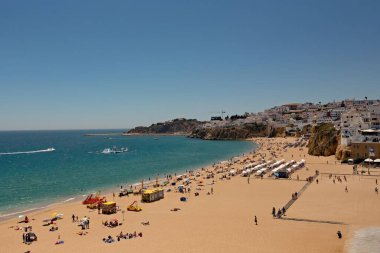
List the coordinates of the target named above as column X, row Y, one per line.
column 50, row 149
column 114, row 150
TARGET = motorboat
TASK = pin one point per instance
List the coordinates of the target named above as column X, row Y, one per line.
column 114, row 150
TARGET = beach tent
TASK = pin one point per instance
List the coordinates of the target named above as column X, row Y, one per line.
column 282, row 174
column 108, row 207
column 151, row 195
column 261, row 171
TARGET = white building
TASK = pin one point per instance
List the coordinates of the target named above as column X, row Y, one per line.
column 351, row 122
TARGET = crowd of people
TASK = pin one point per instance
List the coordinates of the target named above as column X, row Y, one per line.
column 120, row 236
column 111, row 223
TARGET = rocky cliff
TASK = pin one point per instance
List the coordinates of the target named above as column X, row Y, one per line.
column 324, row 140
column 176, row 126
column 230, row 132
column 343, row 153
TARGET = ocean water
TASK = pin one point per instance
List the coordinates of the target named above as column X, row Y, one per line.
column 77, row 166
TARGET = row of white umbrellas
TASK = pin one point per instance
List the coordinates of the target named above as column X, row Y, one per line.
column 369, row 160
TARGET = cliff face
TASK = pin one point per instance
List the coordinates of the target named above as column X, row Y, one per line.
column 231, row 132
column 343, row 153
column 176, row 126
column 323, row 140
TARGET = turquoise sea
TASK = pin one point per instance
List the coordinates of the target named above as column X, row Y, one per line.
column 77, row 166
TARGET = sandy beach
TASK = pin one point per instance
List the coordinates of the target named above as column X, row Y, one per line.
column 221, row 218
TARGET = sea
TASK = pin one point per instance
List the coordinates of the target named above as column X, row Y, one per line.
column 32, row 176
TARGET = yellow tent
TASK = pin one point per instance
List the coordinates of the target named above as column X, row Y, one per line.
column 108, row 207
column 151, row 195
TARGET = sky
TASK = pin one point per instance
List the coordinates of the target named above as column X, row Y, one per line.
column 119, row 64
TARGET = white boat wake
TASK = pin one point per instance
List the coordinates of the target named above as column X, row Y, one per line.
column 29, row 152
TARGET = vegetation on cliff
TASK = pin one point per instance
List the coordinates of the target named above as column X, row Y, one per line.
column 323, row 140
column 238, row 132
column 176, row 126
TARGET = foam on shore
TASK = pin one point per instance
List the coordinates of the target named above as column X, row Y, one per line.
column 365, row 240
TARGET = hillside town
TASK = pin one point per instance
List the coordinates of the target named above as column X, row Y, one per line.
column 358, row 122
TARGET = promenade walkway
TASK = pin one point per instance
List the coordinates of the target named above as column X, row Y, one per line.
column 293, row 200
column 299, row 193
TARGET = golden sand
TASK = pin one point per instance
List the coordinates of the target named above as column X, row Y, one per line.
column 224, row 221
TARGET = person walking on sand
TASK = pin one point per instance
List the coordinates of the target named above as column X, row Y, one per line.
column 73, row 216
column 346, row 189
column 255, row 220
column 212, row 190
column 376, row 190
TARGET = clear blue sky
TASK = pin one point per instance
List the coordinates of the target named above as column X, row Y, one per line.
column 119, row 64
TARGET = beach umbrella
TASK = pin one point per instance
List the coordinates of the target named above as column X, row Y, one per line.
column 368, row 160
column 377, row 160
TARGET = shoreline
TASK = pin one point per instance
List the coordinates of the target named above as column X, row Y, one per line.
column 154, row 134
column 74, row 199
column 225, row 206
